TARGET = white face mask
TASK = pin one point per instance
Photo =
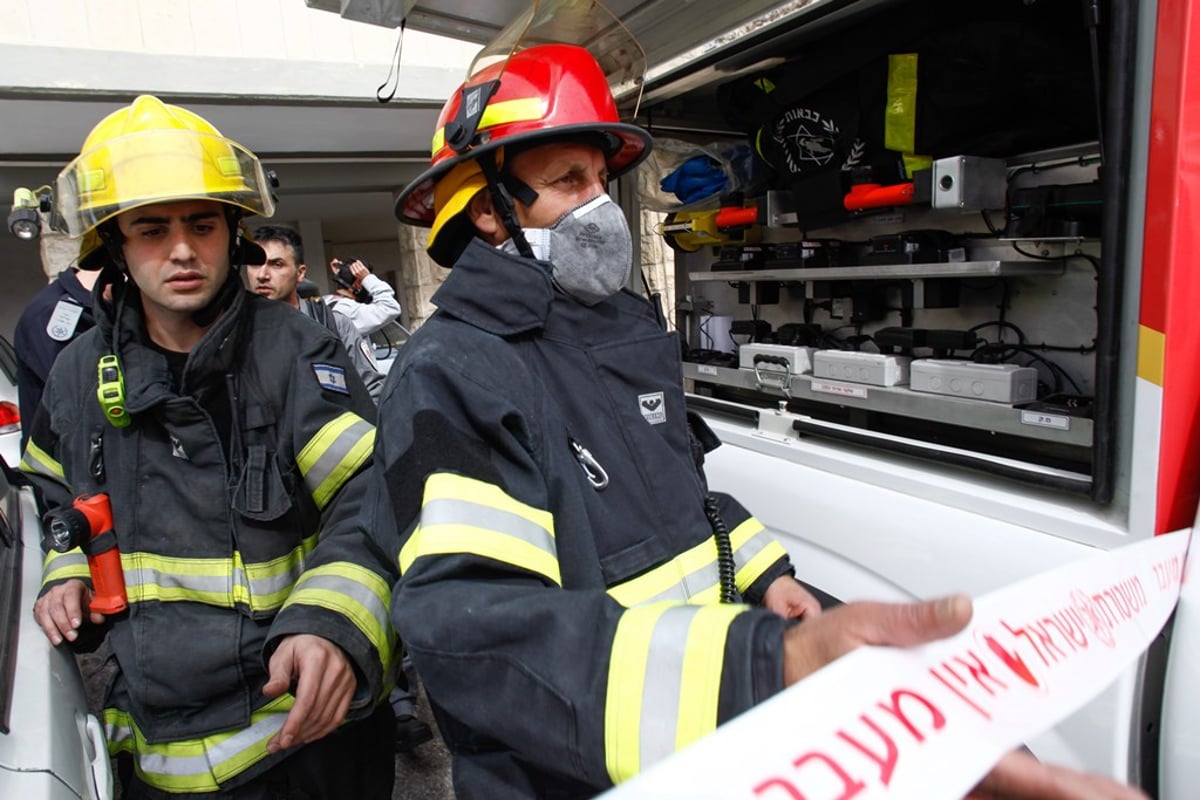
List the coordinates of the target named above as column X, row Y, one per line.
column 589, row 247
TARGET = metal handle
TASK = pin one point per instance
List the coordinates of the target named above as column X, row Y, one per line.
column 782, row 382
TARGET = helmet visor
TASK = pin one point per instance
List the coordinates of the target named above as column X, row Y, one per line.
column 155, row 166
column 586, row 23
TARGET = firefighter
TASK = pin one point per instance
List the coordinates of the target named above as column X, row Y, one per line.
column 232, row 438
column 576, row 601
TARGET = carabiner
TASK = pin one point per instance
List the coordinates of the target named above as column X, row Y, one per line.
column 596, row 475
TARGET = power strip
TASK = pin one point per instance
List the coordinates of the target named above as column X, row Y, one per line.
column 876, row 369
column 998, row 383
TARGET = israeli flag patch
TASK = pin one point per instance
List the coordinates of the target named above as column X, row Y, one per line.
column 331, row 378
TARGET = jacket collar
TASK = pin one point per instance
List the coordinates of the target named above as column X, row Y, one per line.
column 498, row 292
column 506, row 294
column 146, row 374
column 69, row 281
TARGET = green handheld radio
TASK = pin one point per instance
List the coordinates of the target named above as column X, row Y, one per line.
column 110, row 390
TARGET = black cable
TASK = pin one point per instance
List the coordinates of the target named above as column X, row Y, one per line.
column 987, row 220
column 726, row 568
column 999, row 323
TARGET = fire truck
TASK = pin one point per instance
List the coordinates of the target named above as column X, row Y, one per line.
column 937, row 293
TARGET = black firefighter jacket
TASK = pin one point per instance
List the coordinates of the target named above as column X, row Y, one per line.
column 236, row 504
column 559, row 590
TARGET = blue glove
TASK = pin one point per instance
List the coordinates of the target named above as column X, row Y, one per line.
column 698, row 177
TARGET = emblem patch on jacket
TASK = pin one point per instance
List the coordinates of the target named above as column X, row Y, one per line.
column 331, row 378
column 653, row 407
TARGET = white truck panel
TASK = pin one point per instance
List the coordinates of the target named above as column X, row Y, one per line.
column 871, row 527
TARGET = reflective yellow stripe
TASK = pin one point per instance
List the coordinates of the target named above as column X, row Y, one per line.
column 196, row 765
column 900, row 113
column 626, row 684
column 692, row 576
column 754, row 551
column 39, row 462
column 63, row 566
column 221, row 582
column 468, row 517
column 703, row 661
column 663, row 683
column 525, row 109
column 334, row 454
column 354, row 592
column 667, row 581
column 756, row 566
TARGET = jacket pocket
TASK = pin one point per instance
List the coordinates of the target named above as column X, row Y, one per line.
column 261, row 492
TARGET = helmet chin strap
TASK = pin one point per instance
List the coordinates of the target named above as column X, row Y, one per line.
column 502, row 201
column 233, row 282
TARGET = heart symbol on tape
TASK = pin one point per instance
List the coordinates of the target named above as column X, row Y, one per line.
column 1013, row 661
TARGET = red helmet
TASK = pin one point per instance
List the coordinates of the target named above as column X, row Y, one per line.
column 547, row 92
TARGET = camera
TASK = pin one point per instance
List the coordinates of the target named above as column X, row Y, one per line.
column 345, row 278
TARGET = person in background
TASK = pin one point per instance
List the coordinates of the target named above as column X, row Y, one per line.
column 366, row 300
column 576, row 601
column 54, row 317
column 279, row 279
column 231, row 445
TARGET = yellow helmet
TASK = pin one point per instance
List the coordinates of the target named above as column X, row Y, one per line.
column 152, row 152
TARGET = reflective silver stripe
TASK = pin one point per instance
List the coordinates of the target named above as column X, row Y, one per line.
column 695, row 587
column 39, row 462
column 222, row 582
column 658, row 725
column 474, row 515
column 336, row 584
column 169, row 760
column 333, row 462
column 60, row 566
column 753, row 546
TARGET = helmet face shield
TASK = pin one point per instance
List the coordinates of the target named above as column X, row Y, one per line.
column 584, row 23
column 152, row 166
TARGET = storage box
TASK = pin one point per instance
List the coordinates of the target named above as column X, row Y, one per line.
column 799, row 359
column 998, row 383
column 873, row 368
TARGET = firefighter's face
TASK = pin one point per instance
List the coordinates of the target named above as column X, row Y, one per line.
column 277, row 279
column 564, row 175
column 177, row 254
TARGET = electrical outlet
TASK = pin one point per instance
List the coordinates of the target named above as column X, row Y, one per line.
column 837, row 308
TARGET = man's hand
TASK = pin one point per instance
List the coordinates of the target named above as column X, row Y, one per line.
column 1018, row 775
column 787, row 598
column 359, row 271
column 60, row 611
column 808, row 647
column 325, row 684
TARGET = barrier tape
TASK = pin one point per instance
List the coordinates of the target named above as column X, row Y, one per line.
column 930, row 721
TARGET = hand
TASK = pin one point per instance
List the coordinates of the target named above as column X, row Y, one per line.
column 60, row 611
column 808, row 647
column 1020, row 775
column 359, row 271
column 324, row 682
column 787, row 598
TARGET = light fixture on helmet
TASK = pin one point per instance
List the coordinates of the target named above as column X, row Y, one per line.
column 25, row 221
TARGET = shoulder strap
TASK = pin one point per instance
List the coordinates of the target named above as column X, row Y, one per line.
column 318, row 310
